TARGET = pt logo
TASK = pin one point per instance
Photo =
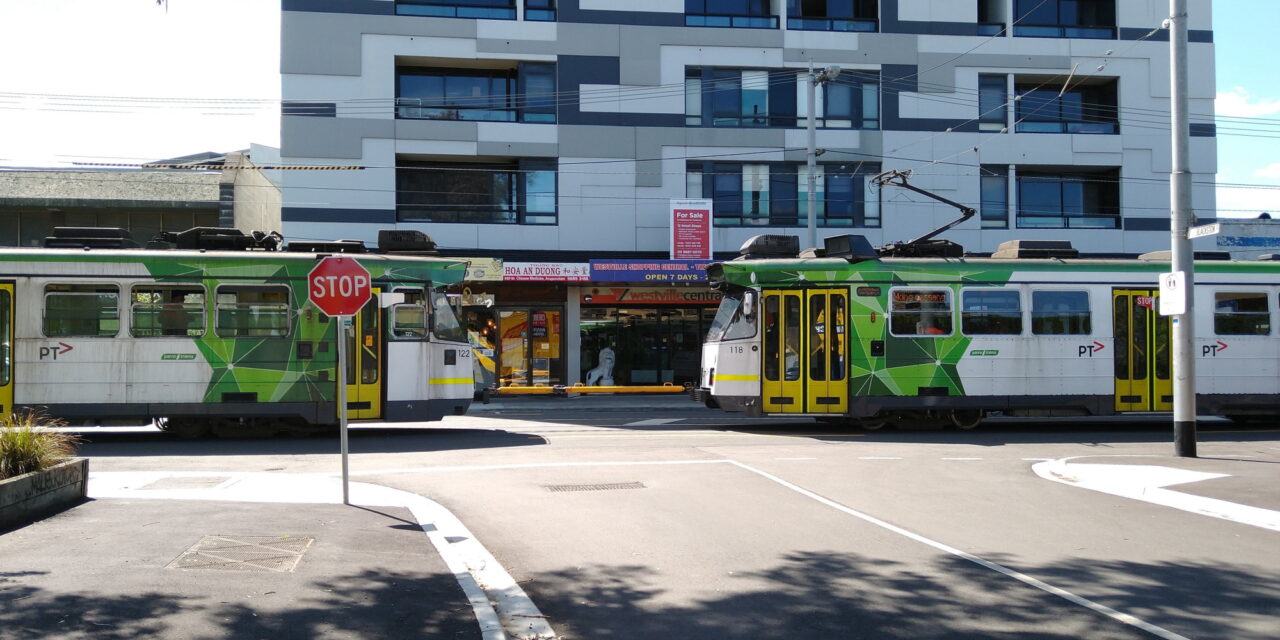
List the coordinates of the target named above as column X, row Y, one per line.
column 1212, row 350
column 1087, row 350
column 52, row 353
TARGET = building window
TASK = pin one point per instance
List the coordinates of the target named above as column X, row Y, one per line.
column 747, row 14
column 1241, row 314
column 1060, row 313
column 991, row 17
column 995, row 196
column 777, row 194
column 540, row 10
column 990, row 312
column 490, row 9
column 518, row 192
column 523, row 93
column 1069, row 200
column 81, row 311
column 1044, row 107
column 167, row 310
column 833, row 15
column 252, row 311
column 993, row 103
column 1065, row 18
column 718, row 97
column 920, row 312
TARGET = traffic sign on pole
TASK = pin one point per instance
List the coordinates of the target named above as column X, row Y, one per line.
column 340, row 287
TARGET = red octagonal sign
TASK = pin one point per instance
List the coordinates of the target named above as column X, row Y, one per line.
column 338, row 286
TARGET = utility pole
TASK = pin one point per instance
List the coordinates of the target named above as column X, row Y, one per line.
column 827, row 75
column 1183, row 259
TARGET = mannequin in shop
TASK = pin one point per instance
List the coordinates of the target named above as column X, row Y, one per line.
column 602, row 374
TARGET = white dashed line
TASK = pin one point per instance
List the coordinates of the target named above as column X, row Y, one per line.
column 653, row 422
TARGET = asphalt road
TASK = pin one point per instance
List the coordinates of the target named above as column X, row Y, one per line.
column 693, row 524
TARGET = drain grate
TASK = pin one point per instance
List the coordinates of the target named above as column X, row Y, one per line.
column 615, row 486
column 279, row 554
column 205, row 482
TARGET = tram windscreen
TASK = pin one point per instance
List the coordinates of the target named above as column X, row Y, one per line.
column 736, row 317
column 444, row 320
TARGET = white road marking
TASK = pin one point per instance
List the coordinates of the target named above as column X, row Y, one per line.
column 1036, row 459
column 1148, row 482
column 1126, row 618
column 652, row 422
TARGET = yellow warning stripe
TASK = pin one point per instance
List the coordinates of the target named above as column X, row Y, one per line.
column 736, row 378
column 218, row 167
column 450, row 381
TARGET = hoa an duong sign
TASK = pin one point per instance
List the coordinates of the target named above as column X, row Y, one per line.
column 690, row 229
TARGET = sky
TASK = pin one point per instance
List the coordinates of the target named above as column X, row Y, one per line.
column 130, row 81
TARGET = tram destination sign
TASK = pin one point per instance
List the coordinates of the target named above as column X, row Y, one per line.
column 339, row 286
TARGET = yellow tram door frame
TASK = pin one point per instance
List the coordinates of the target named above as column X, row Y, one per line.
column 365, row 349
column 6, row 350
column 825, row 363
column 1143, row 364
column 781, row 380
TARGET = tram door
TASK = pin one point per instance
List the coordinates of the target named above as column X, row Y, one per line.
column 364, row 362
column 1143, row 363
column 805, row 350
column 6, row 350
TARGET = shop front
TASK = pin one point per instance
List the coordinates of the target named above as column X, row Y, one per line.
column 606, row 322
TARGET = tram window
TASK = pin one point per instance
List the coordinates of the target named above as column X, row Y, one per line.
column 990, row 312
column 259, row 311
column 81, row 310
column 165, row 310
column 736, row 317
column 1060, row 313
column 920, row 312
column 409, row 318
column 1241, row 314
column 444, row 320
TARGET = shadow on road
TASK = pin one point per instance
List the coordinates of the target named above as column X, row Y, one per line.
column 823, row 595
column 364, row 440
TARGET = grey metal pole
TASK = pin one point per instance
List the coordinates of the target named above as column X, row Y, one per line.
column 811, row 161
column 342, row 402
column 1184, row 365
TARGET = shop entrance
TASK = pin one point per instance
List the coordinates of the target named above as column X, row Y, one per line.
column 530, row 345
column 648, row 345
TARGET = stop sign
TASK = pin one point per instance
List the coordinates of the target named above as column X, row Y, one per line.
column 338, row 286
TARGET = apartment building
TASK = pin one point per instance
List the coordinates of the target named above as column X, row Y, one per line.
column 552, row 135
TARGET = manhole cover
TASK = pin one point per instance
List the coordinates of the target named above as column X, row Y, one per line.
column 244, row 553
column 207, row 482
column 557, row 488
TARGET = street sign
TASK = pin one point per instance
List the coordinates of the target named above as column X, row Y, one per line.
column 1204, row 230
column 1173, row 293
column 339, row 286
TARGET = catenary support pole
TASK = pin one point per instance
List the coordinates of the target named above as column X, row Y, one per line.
column 811, row 160
column 1184, row 372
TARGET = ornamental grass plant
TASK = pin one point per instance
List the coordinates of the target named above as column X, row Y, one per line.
column 27, row 443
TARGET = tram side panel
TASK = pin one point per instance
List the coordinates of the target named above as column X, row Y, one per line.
column 1237, row 354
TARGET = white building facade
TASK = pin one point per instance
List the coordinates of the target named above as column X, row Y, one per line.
column 560, row 130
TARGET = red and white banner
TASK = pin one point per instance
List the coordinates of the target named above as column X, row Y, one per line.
column 690, row 229
column 547, row 271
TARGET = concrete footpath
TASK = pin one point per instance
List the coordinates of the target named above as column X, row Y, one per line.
column 204, row 555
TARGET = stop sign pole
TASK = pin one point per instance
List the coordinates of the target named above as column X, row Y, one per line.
column 340, row 287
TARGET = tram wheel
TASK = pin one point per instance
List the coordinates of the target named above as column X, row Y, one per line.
column 871, row 424
column 185, row 428
column 966, row 419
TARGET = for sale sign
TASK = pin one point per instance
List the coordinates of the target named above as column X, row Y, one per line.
column 690, row 229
